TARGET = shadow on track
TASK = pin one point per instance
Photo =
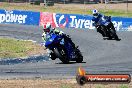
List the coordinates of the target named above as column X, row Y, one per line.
column 112, row 39
column 69, row 63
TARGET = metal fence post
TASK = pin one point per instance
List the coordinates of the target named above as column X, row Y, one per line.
column 45, row 3
column 127, row 5
column 84, row 7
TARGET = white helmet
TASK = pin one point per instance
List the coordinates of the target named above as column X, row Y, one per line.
column 95, row 13
column 48, row 26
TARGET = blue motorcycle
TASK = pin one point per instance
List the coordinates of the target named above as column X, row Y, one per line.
column 106, row 28
column 61, row 48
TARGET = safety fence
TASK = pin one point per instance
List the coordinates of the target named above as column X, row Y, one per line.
column 59, row 20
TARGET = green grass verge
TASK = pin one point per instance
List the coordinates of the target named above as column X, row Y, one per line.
column 11, row 48
column 116, row 13
column 63, row 9
column 123, row 86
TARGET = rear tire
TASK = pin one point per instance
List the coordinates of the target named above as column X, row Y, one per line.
column 79, row 58
column 113, row 34
column 61, row 54
column 112, row 31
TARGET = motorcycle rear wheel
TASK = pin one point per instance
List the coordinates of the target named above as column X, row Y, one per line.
column 113, row 34
column 79, row 58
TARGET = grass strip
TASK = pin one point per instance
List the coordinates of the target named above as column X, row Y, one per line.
column 12, row 48
column 67, row 8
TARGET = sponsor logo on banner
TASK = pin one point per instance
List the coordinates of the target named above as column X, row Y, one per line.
column 72, row 21
column 19, row 17
column 78, row 21
column 81, row 21
column 62, row 21
column 46, row 17
column 10, row 17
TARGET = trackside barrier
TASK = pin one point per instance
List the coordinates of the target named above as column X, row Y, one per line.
column 122, row 23
column 81, row 21
column 59, row 20
column 19, row 17
column 66, row 20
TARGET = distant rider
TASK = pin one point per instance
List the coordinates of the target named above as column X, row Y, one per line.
column 96, row 18
column 102, row 24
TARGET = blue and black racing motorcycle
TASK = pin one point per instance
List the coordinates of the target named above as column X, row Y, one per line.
column 62, row 48
column 106, row 28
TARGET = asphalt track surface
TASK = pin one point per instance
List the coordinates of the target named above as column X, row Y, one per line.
column 100, row 56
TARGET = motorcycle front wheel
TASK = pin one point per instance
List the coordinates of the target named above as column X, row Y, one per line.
column 52, row 56
column 61, row 54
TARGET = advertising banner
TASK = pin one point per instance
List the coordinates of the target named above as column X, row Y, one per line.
column 59, row 20
column 46, row 17
column 122, row 23
column 73, row 21
column 85, row 21
column 19, row 17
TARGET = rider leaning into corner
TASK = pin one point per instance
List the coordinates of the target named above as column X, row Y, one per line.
column 47, row 29
column 96, row 18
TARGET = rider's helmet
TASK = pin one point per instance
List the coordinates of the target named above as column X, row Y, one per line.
column 95, row 13
column 47, row 27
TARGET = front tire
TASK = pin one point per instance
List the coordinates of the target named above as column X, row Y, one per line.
column 61, row 54
column 52, row 56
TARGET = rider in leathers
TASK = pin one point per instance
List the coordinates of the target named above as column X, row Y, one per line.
column 100, row 26
column 47, row 29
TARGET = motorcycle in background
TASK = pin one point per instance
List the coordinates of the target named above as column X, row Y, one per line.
column 106, row 28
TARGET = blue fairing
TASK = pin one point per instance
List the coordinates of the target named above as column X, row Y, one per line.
column 101, row 20
column 53, row 40
column 48, row 42
column 70, row 50
column 104, row 21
